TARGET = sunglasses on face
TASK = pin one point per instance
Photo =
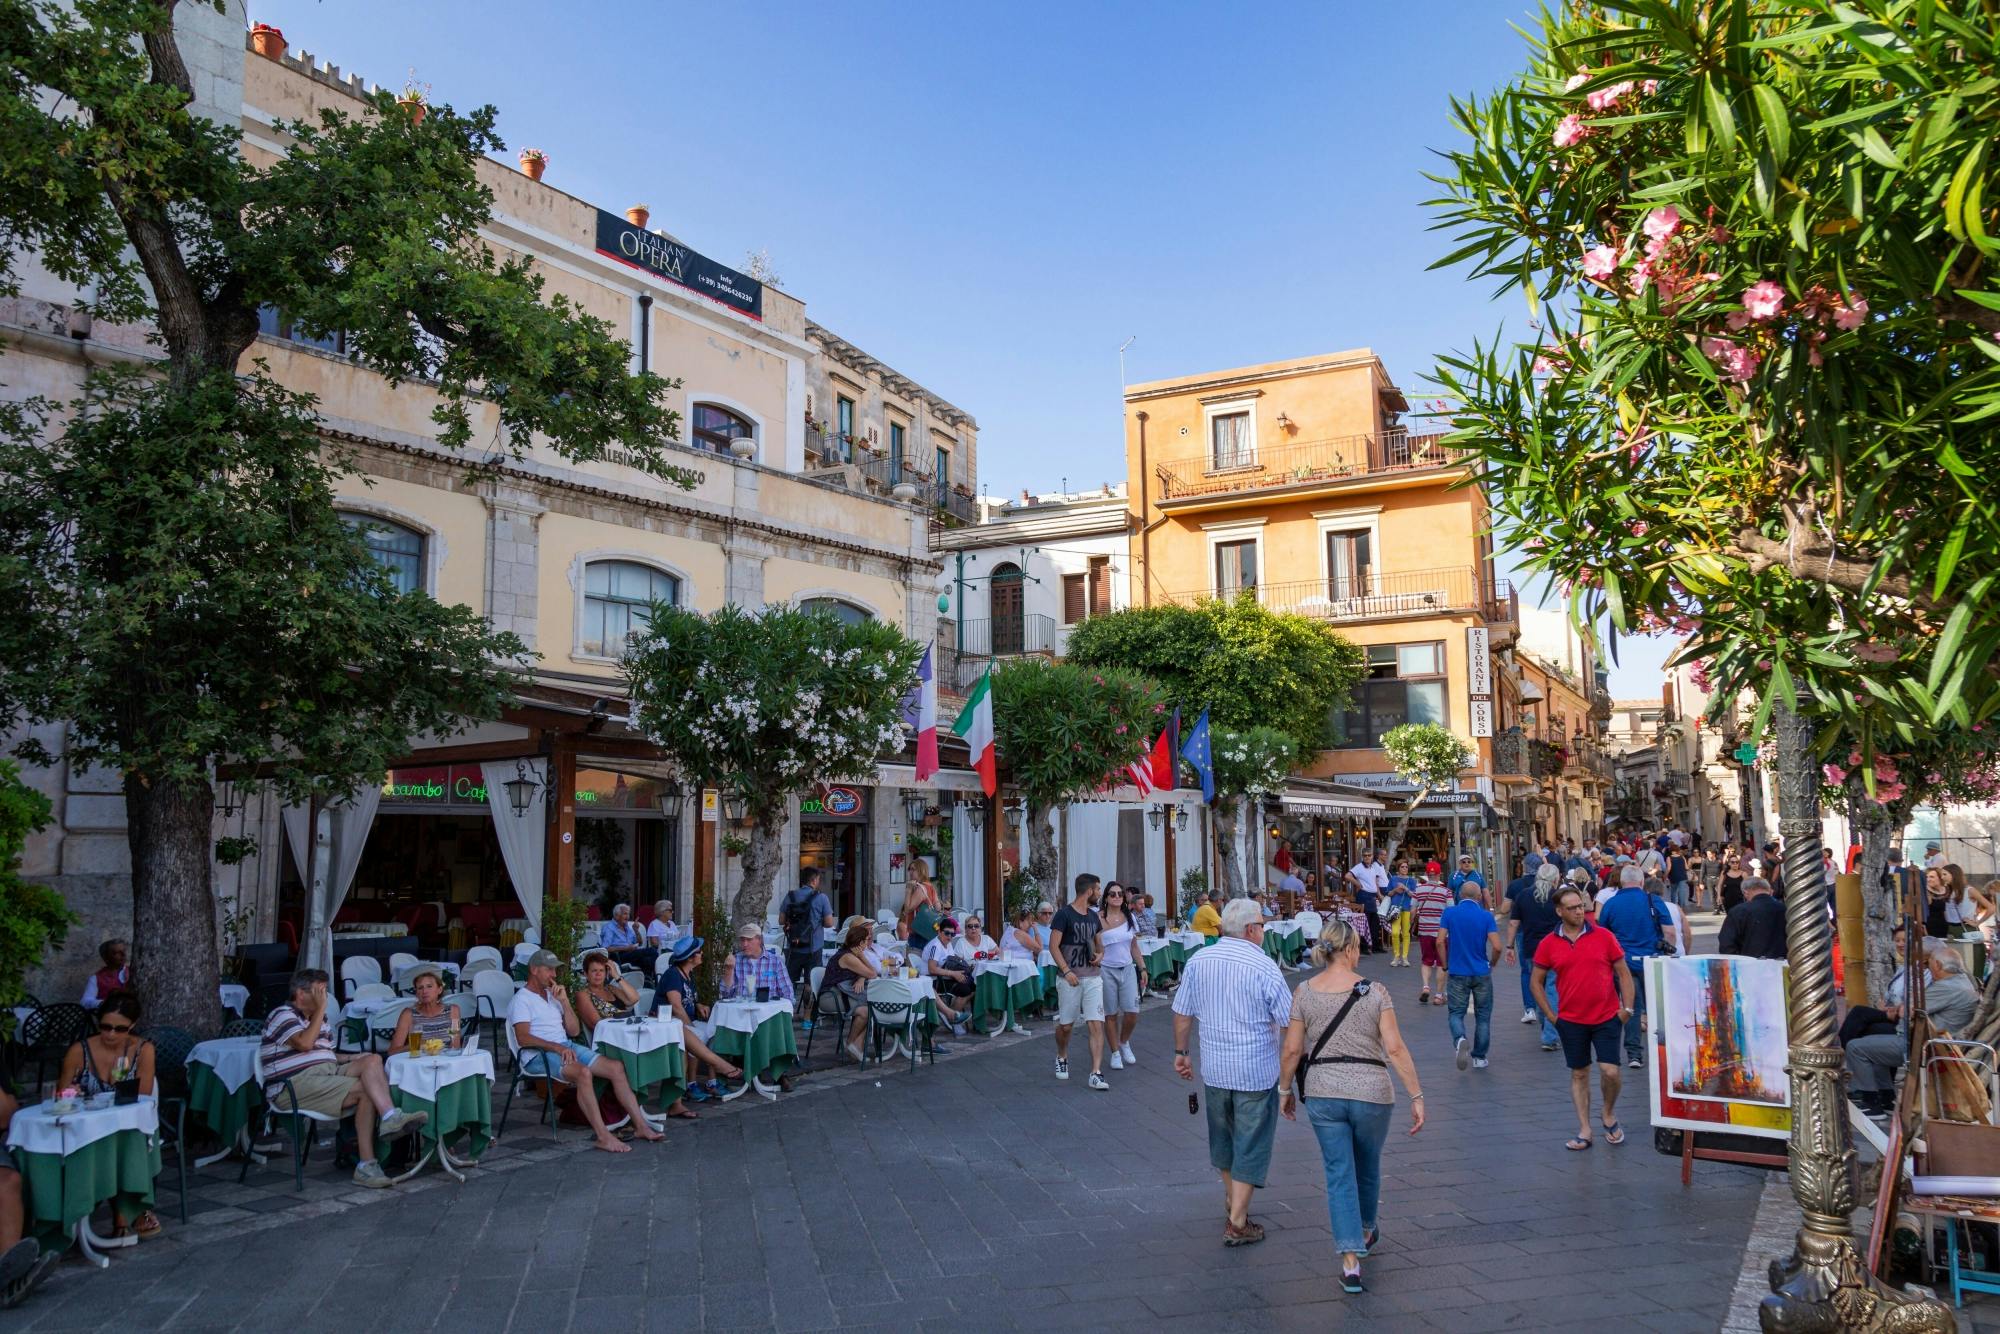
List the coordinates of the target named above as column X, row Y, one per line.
column 114, row 1028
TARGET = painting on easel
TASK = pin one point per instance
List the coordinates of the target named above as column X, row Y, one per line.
column 1719, row 1039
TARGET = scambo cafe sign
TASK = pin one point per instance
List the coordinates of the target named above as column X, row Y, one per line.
column 673, row 262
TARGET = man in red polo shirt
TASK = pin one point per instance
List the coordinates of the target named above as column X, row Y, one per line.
column 1594, row 999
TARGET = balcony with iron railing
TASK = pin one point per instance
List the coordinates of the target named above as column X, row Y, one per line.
column 966, row 647
column 1380, row 595
column 1304, row 466
column 848, row 461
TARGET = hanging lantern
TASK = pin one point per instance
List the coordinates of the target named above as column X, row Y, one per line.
column 520, row 788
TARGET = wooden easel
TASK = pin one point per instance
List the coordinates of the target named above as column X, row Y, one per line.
column 1689, row 1153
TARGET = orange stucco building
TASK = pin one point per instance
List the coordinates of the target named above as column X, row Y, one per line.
column 1299, row 479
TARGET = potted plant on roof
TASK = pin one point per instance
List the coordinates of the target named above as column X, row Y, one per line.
column 415, row 99
column 533, row 163
column 638, row 214
column 267, row 41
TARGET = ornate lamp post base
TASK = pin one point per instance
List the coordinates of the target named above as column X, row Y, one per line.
column 1825, row 1284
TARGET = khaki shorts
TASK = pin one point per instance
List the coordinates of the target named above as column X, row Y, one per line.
column 1083, row 1001
column 322, row 1092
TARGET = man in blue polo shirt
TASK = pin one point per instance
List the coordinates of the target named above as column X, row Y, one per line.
column 1471, row 941
column 1638, row 922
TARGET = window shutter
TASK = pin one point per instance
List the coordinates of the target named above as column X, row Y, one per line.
column 1100, row 585
column 1073, row 599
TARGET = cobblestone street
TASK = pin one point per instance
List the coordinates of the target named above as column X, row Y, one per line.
column 983, row 1194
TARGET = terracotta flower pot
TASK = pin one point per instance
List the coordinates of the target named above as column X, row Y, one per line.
column 267, row 41
column 533, row 167
column 416, row 107
column 638, row 214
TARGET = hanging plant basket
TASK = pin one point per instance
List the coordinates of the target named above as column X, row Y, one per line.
column 267, row 41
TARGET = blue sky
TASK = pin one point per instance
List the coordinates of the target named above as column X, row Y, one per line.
column 991, row 198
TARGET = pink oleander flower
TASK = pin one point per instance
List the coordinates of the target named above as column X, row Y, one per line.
column 1835, row 775
column 1569, row 130
column 1813, row 357
column 1635, row 440
column 1600, row 262
column 1543, row 366
column 1121, row 730
column 1607, row 99
column 1649, row 86
column 1733, row 361
column 1643, row 276
column 1850, row 315
column 1661, row 223
column 1736, row 321
column 1577, row 80
column 1637, row 527
column 1764, row 300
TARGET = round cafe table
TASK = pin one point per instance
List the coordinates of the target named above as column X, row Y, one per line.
column 223, row 1092
column 455, row 1090
column 1282, row 941
column 512, row 930
column 653, row 1051
column 74, row 1161
column 756, row 1035
column 1157, row 952
column 1003, row 986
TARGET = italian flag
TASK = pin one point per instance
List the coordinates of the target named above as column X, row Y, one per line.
column 975, row 725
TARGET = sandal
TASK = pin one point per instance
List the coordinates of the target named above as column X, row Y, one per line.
column 680, row 1113
column 1577, row 1143
column 1247, row 1235
column 1614, row 1133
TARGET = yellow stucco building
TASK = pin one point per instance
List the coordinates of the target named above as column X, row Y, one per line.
column 1299, row 479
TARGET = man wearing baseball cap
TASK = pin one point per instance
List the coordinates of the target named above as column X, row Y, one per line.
column 546, row 1032
column 678, row 1001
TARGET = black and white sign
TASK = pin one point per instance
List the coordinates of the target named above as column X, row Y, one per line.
column 675, row 263
column 1479, row 680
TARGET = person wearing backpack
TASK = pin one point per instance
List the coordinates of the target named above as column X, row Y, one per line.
column 1641, row 923
column 1340, row 1045
column 805, row 914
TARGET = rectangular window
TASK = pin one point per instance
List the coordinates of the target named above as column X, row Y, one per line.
column 1229, row 440
column 895, row 452
column 1100, row 585
column 1075, row 602
column 1235, row 567
column 1405, row 683
column 843, row 429
column 1349, row 564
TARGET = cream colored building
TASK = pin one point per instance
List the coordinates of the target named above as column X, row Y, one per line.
column 566, row 556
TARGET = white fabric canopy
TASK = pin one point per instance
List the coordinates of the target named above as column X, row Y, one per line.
column 524, row 838
column 348, row 821
column 1093, row 843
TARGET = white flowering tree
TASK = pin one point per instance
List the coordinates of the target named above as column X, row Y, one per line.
column 767, row 705
column 1250, row 764
column 1429, row 755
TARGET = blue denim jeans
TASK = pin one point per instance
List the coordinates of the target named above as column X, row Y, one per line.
column 1350, row 1146
column 1635, row 1027
column 1479, row 991
column 1528, row 996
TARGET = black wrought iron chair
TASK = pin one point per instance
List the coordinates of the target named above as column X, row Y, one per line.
column 50, row 1031
column 170, row 1087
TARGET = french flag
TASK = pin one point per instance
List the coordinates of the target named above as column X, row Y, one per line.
column 926, row 718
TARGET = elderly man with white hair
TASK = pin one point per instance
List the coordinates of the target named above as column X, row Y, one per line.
column 1950, row 1000
column 1639, row 921
column 1238, row 996
column 624, row 942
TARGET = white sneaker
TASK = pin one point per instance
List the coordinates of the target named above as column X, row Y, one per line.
column 1528, row 1016
column 1097, row 1081
column 1479, row 1062
column 1062, row 1068
column 1126, row 1052
column 369, row 1173
column 1018, row 1029
column 1463, row 1050
column 1116, row 1063
column 398, row 1121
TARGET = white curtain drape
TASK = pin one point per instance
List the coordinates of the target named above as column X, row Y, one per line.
column 348, row 821
column 524, row 838
column 968, row 861
column 1093, row 842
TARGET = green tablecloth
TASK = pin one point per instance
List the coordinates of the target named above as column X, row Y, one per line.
column 462, row 1110
column 991, row 996
column 223, row 1112
column 665, row 1066
column 1050, row 974
column 62, row 1189
column 765, row 1054
column 1160, row 964
column 1282, row 949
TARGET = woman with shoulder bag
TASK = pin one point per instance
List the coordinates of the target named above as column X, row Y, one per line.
column 1340, row 1046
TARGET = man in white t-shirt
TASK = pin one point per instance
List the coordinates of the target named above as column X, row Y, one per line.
column 1933, row 857
column 546, row 1030
column 1370, row 881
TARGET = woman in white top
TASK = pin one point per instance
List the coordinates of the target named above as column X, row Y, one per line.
column 975, row 945
column 1019, row 941
column 1120, row 970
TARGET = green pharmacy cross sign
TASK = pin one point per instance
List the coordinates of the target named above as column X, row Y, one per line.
column 1746, row 753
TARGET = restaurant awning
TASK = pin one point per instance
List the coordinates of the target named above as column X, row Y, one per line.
column 1306, row 797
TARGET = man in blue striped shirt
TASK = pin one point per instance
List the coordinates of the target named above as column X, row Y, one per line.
column 1238, row 995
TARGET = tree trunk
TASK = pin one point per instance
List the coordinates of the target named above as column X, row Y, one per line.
column 1044, row 866
column 1228, row 865
column 759, row 884
column 174, row 964
column 1403, row 825
column 1874, row 826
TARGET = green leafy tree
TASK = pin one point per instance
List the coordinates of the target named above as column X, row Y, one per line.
column 1247, row 665
column 1064, row 731
column 178, row 586
column 1757, row 241
column 33, row 918
column 768, row 704
column 1249, row 765
column 1429, row 755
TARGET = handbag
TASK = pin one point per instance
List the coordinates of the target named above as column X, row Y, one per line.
column 1314, row 1058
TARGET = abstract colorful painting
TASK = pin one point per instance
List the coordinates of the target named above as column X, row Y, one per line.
column 1723, row 1021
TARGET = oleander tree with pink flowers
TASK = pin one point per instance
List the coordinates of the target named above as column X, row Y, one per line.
column 1761, row 404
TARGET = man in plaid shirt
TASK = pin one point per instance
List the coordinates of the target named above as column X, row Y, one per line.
column 750, row 967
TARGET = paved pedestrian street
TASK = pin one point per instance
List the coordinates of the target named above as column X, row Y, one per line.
column 983, row 1194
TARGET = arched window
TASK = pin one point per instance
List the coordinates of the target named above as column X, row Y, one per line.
column 844, row 612
column 399, row 550
column 714, row 427
column 618, row 598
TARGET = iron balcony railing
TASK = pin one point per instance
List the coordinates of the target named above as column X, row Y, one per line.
column 1222, row 472
column 1457, row 588
column 965, row 650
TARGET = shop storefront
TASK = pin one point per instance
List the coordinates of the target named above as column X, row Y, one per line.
column 834, row 839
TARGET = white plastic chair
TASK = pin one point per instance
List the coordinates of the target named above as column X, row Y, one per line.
column 1310, row 925
column 484, row 954
column 886, row 939
column 372, row 991
column 492, row 993
column 588, row 940
column 614, row 1116
column 475, row 968
column 282, row 1101
column 523, row 951
column 892, row 1010
column 400, row 960
column 357, row 969
column 382, row 1023
column 887, row 920
column 532, row 936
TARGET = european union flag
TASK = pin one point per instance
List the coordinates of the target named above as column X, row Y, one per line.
column 1196, row 752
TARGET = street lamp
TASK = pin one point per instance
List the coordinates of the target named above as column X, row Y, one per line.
column 915, row 804
column 227, row 800
column 1154, row 816
column 1181, row 818
column 521, row 788
column 737, row 807
column 1016, row 809
column 975, row 812
column 672, row 795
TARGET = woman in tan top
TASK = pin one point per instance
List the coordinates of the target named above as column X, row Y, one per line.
column 1347, row 1090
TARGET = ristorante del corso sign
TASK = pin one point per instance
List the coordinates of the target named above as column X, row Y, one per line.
column 677, row 264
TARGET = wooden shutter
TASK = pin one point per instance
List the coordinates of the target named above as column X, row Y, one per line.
column 1073, row 599
column 1100, row 585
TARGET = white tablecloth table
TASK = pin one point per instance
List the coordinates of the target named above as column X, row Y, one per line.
column 233, row 1063
column 232, row 1059
column 423, row 1078
column 42, row 1131
column 750, row 1019
column 370, row 929
column 639, row 1041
